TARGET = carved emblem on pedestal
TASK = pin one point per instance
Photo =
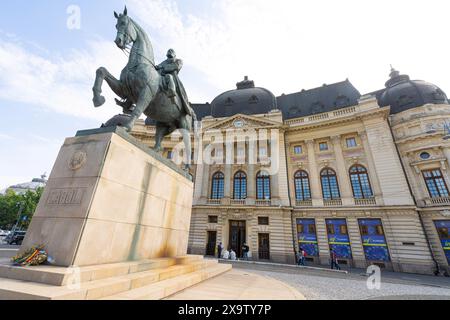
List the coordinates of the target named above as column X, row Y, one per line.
column 78, row 160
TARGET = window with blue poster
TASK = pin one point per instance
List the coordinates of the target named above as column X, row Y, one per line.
column 307, row 238
column 373, row 240
column 443, row 229
column 338, row 238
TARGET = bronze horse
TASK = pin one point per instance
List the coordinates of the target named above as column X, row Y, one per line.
column 140, row 90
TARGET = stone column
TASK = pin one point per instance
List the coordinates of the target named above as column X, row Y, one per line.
column 198, row 185
column 227, row 183
column 342, row 172
column 314, row 179
column 251, row 182
column 372, row 171
column 205, row 183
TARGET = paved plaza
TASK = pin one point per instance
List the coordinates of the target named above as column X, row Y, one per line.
column 316, row 284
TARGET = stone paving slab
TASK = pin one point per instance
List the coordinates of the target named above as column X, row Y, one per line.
column 240, row 285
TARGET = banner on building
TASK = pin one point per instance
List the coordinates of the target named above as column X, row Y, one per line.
column 443, row 228
column 307, row 237
column 373, row 240
column 338, row 238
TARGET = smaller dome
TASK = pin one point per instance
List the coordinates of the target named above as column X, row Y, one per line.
column 245, row 99
column 402, row 93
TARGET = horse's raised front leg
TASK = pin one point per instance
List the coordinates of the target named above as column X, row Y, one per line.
column 114, row 84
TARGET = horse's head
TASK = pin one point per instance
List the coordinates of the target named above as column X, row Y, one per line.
column 126, row 33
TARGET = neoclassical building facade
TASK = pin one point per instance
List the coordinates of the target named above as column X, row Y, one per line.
column 323, row 169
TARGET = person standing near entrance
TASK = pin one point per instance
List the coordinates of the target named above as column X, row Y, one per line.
column 245, row 250
column 232, row 255
column 219, row 250
column 334, row 262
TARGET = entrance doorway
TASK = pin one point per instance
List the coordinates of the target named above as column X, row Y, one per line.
column 211, row 244
column 237, row 236
column 263, row 246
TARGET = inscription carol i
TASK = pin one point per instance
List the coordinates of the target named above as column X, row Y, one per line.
column 69, row 196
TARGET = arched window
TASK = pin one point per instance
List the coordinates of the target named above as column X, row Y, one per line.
column 217, row 186
column 435, row 183
column 360, row 182
column 240, row 186
column 302, row 190
column 263, row 186
column 330, row 187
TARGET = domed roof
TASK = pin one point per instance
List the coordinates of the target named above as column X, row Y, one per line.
column 402, row 94
column 246, row 99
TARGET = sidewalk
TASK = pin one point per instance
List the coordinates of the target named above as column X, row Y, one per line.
column 351, row 273
column 294, row 266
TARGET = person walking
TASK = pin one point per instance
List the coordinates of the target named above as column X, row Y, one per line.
column 301, row 257
column 303, row 253
column 334, row 262
column 219, row 250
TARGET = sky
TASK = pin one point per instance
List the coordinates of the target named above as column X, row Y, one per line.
column 49, row 51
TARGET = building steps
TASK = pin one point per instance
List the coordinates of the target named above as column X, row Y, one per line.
column 98, row 282
column 166, row 288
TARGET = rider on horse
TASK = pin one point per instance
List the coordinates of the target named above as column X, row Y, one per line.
column 170, row 83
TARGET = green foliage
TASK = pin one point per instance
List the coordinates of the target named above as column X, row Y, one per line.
column 10, row 204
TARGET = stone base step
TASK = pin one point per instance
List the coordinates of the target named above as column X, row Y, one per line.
column 60, row 276
column 104, row 287
column 166, row 288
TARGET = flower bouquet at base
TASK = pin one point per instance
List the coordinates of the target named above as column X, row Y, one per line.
column 31, row 257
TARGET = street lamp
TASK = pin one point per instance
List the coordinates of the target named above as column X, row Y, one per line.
column 19, row 214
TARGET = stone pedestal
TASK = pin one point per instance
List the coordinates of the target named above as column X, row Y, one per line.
column 110, row 199
column 115, row 217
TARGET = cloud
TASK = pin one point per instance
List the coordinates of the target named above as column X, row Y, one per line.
column 284, row 45
column 4, row 136
column 57, row 83
column 287, row 45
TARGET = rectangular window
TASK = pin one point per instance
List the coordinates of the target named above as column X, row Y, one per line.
column 435, row 183
column 213, row 219
column 263, row 221
column 323, row 146
column 298, row 150
column 351, row 142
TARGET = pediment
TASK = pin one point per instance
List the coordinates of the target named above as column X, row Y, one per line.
column 241, row 121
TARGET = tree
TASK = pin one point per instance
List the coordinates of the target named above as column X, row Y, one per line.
column 10, row 204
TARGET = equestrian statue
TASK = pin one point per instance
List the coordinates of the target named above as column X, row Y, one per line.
column 147, row 88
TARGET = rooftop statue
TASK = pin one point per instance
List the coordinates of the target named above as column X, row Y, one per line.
column 147, row 88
